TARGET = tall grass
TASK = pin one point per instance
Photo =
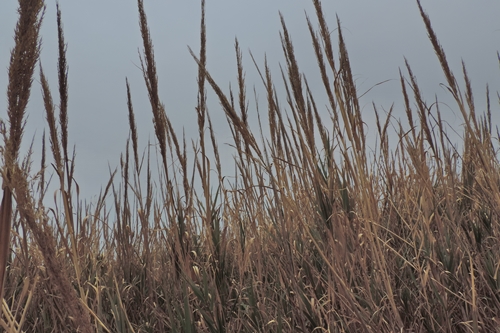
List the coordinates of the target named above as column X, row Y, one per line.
column 313, row 235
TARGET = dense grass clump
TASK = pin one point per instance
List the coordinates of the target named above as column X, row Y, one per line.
column 313, row 235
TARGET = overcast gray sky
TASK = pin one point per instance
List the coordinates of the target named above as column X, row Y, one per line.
column 103, row 41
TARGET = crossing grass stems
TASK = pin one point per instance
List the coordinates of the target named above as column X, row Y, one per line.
column 313, row 235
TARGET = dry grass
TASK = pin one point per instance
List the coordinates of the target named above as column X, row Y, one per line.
column 313, row 235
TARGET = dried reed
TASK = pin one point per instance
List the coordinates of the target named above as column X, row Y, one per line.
column 313, row 234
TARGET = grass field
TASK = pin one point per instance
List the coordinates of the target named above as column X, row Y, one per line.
column 313, row 235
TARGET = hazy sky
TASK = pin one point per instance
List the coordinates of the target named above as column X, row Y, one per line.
column 103, row 41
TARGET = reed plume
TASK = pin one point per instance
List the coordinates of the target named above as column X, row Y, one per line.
column 318, row 229
column 23, row 59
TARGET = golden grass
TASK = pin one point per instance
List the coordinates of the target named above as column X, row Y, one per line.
column 313, row 235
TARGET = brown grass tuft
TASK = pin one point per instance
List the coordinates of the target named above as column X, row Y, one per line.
column 23, row 59
column 318, row 230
